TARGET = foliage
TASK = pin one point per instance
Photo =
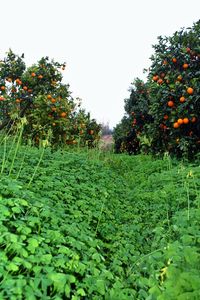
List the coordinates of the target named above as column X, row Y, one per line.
column 128, row 134
column 169, row 102
column 38, row 93
column 175, row 91
column 66, row 233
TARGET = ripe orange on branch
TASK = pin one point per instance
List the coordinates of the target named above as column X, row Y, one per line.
column 179, row 78
column 185, row 66
column 170, row 103
column 182, row 99
column 193, row 119
column 190, row 91
column 180, row 121
column 176, row 125
column 18, row 81
column 63, row 114
column 160, row 81
column 155, row 78
column 185, row 120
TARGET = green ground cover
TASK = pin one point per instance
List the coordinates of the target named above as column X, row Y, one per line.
column 90, row 225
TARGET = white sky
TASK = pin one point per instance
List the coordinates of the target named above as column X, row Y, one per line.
column 106, row 43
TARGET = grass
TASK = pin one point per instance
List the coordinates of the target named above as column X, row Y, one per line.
column 95, row 225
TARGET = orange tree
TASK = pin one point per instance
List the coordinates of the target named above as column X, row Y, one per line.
column 129, row 134
column 174, row 77
column 38, row 93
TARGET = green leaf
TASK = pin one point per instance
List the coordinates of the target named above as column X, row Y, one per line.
column 81, row 292
column 32, row 244
column 16, row 209
column 59, row 280
column 100, row 286
column 67, row 290
column 12, row 267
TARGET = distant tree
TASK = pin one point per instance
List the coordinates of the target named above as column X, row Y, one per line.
column 106, row 130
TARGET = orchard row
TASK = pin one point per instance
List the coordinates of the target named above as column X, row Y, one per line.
column 38, row 95
column 163, row 113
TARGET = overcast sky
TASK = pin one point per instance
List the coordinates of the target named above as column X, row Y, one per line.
column 106, row 43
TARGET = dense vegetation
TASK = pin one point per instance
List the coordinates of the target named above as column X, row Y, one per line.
column 162, row 114
column 80, row 224
column 38, row 94
column 90, row 225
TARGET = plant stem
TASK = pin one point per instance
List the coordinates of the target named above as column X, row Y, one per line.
column 4, row 157
column 16, row 150
column 36, row 168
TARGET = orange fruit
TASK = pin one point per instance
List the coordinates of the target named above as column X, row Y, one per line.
column 40, row 76
column 155, row 78
column 3, row 88
column 185, row 66
column 193, row 119
column 164, row 62
column 160, row 81
column 185, row 120
column 174, row 59
column 165, row 117
column 2, row 98
column 176, row 125
column 179, row 78
column 49, row 97
column 18, row 81
column 91, row 132
column 33, row 74
column 182, row 99
column 53, row 100
column 188, row 50
column 180, row 121
column 162, row 126
column 63, row 114
column 53, row 108
column 25, row 88
column 170, row 103
column 190, row 91
column 162, row 75
column 17, row 100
